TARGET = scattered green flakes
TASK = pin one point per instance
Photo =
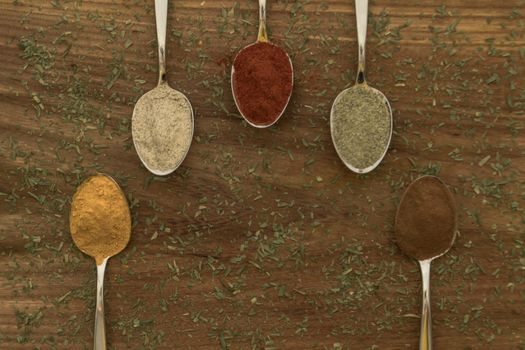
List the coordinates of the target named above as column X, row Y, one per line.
column 262, row 221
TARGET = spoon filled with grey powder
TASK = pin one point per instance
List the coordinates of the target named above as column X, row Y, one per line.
column 361, row 117
column 162, row 123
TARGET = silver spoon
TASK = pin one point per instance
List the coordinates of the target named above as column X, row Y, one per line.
column 81, row 207
column 262, row 37
column 406, row 212
column 361, row 7
column 162, row 148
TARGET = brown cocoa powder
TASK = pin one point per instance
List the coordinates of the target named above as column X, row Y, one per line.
column 426, row 219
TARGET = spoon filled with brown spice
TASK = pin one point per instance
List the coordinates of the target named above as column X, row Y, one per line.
column 262, row 79
column 425, row 229
column 100, row 225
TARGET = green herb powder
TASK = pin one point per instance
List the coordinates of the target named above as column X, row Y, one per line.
column 361, row 126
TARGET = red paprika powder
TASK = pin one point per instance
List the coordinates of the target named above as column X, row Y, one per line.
column 262, row 81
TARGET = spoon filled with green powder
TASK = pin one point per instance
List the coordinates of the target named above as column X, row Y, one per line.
column 361, row 117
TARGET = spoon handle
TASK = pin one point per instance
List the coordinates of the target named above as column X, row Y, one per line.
column 263, row 35
column 161, row 16
column 100, row 328
column 425, row 338
column 361, row 14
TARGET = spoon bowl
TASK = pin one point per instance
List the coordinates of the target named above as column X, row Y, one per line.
column 154, row 143
column 335, row 128
column 410, row 214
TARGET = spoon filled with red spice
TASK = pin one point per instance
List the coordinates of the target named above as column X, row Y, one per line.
column 425, row 229
column 262, row 78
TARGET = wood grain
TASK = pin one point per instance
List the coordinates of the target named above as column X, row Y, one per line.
column 262, row 239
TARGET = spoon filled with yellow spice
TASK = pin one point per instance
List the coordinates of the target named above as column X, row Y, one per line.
column 100, row 225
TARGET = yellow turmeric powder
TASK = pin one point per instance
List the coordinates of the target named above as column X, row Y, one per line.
column 100, row 221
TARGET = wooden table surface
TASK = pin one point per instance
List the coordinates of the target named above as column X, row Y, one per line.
column 262, row 239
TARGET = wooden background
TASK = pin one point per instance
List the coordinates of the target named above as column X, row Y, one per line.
column 262, row 239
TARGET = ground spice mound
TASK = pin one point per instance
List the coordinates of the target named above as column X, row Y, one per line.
column 361, row 126
column 162, row 128
column 262, row 82
column 426, row 219
column 100, row 221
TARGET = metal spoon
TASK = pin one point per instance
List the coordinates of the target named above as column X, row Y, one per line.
column 361, row 7
column 261, row 38
column 171, row 99
column 425, row 340
column 78, row 226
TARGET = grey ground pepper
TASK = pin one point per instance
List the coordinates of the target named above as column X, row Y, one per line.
column 162, row 128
